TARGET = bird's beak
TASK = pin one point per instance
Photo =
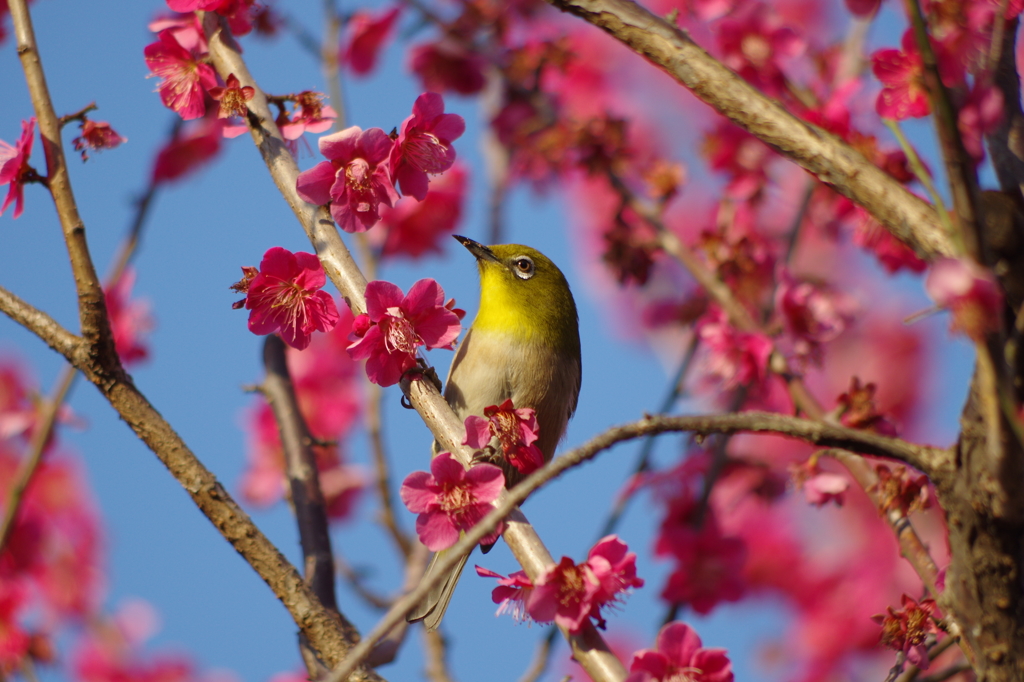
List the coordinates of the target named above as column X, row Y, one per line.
column 477, row 249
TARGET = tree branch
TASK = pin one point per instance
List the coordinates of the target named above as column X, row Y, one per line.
column 42, row 325
column 829, row 159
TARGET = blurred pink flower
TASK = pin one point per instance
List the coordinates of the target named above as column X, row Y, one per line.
column 820, row 487
column 190, row 149
column 310, row 115
column 813, row 313
column 286, row 297
column 893, row 254
column 232, row 97
column 14, row 168
column 424, row 145
column 96, row 136
column 394, row 326
column 969, row 292
column 367, row 34
column 735, row 357
column 516, row 431
column 130, row 320
column 415, row 228
column 451, row 499
column 978, row 116
column 680, row 655
column 355, row 180
column 908, row 628
column 186, row 79
column 444, row 66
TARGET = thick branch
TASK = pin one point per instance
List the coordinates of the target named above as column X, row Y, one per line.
column 830, row 160
column 1006, row 142
column 41, row 324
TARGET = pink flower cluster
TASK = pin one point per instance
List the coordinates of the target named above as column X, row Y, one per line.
column 680, row 655
column 969, row 292
column 449, row 499
column 567, row 593
column 394, row 326
column 14, row 168
column 364, row 166
column 515, row 430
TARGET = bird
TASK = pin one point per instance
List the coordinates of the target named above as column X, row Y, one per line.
column 524, row 344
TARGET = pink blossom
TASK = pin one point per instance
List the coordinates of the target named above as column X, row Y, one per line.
column 516, row 432
column 755, row 43
column 511, row 593
column 451, row 499
column 286, row 297
column 969, row 292
column 96, row 136
column 680, row 655
column 310, row 115
column 393, row 327
column 445, row 66
column 424, row 145
column 367, row 35
column 901, row 73
column 863, row 8
column 737, row 358
column 908, row 628
column 355, row 180
column 188, row 151
column 186, row 79
column 130, row 319
column 232, row 97
column 820, row 487
column 14, row 168
column 893, row 254
column 978, row 116
column 813, row 313
column 235, row 11
column 569, row 593
column 415, row 228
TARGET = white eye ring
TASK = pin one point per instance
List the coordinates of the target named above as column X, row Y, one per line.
column 522, row 266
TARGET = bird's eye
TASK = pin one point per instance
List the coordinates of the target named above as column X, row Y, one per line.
column 523, row 267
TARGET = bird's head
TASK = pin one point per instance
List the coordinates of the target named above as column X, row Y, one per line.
column 524, row 295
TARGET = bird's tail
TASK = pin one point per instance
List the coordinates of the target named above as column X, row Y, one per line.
column 431, row 609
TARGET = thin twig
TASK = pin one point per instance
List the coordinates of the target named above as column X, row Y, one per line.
column 329, row 59
column 388, row 517
column 922, row 175
column 436, row 648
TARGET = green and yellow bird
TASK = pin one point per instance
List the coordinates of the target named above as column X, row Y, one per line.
column 525, row 345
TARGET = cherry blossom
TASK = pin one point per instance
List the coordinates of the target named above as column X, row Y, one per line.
column 444, row 66
column 813, row 314
column 188, row 151
column 907, row 629
column 680, row 655
column 310, row 115
column 232, row 97
column 394, row 326
column 451, row 499
column 424, row 145
column 512, row 592
column 185, row 78
column 857, row 409
column 96, row 136
column 969, row 292
column 355, row 180
column 737, row 358
column 367, row 35
column 978, row 116
column 569, row 593
column 416, row 228
column 286, row 297
column 820, row 487
column 901, row 73
column 14, row 168
column 130, row 320
column 899, row 489
column 516, row 430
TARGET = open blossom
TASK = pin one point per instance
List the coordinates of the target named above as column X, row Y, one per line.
column 367, row 34
column 856, row 408
column 14, row 168
column 186, row 79
column 820, row 487
column 96, row 136
column 394, row 326
column 451, row 499
column 969, row 292
column 424, row 145
column 232, row 97
column 736, row 357
column 978, row 116
column 569, row 593
column 901, row 73
column 310, row 115
column 516, row 432
column 893, row 254
column 355, row 180
column 813, row 313
column 286, row 297
column 511, row 593
column 680, row 656
column 908, row 628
